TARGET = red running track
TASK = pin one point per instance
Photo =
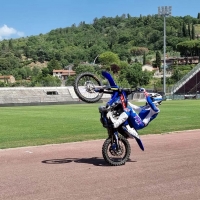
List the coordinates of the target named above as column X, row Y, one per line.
column 168, row 169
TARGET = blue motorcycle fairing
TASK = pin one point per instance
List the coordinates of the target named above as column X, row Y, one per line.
column 110, row 79
column 139, row 141
column 115, row 96
column 140, row 144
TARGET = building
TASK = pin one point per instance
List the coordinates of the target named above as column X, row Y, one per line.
column 181, row 60
column 63, row 74
column 7, row 79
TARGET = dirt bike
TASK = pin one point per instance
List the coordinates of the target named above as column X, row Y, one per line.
column 88, row 87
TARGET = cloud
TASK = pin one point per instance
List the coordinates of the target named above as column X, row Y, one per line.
column 9, row 32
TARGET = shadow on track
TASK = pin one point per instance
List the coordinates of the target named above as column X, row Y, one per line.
column 94, row 161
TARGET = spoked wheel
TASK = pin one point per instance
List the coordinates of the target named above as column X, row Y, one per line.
column 114, row 156
column 84, row 87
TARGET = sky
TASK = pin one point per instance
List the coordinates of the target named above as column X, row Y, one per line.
column 24, row 18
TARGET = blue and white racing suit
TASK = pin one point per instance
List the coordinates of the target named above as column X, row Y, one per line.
column 145, row 114
column 136, row 117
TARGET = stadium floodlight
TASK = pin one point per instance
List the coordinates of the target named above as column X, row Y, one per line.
column 164, row 11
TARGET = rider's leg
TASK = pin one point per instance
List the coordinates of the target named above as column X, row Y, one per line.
column 122, row 118
column 117, row 122
column 135, row 121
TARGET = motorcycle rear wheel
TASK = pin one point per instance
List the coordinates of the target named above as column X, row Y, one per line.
column 84, row 87
column 116, row 157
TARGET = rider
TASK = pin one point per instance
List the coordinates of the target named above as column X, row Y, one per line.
column 145, row 114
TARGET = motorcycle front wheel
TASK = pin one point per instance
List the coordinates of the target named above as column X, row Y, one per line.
column 85, row 85
column 114, row 156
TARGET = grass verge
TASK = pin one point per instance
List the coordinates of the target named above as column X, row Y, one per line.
column 39, row 125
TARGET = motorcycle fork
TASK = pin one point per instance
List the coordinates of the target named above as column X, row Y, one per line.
column 113, row 133
column 116, row 139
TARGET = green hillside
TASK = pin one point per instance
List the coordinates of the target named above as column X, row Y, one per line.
column 127, row 37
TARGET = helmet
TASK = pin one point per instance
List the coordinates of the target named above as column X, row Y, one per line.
column 156, row 98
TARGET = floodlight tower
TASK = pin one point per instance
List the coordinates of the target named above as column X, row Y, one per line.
column 164, row 11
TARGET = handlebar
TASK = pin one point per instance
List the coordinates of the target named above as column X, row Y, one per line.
column 110, row 90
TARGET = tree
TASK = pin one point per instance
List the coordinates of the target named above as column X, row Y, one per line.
column 122, row 82
column 53, row 64
column 51, row 81
column 23, row 73
column 84, row 68
column 35, row 71
column 112, row 37
column 10, row 44
column 144, row 58
column 138, row 51
column 135, row 76
column 185, row 32
column 2, row 84
column 114, row 68
column 45, row 72
column 41, row 54
column 28, row 51
column 45, row 81
column 108, row 58
column 158, row 60
column 189, row 47
column 3, row 46
column 4, row 64
column 193, row 33
column 189, row 32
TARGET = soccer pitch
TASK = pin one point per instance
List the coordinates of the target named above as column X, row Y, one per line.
column 39, row 125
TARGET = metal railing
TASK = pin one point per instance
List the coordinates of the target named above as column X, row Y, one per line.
column 187, row 77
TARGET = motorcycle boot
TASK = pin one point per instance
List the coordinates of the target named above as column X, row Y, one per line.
column 117, row 122
column 132, row 132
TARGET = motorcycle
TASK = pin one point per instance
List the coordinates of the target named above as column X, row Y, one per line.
column 88, row 87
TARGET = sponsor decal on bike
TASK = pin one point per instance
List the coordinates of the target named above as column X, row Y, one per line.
column 123, row 101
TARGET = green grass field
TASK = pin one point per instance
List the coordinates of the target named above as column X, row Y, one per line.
column 39, row 125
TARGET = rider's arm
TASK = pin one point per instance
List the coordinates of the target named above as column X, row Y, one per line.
column 134, row 107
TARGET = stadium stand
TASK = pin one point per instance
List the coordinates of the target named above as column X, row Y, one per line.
column 35, row 95
column 38, row 95
column 189, row 84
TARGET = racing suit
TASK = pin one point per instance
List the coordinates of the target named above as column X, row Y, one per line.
column 137, row 117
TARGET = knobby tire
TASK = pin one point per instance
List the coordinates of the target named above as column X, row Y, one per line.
column 80, row 94
column 114, row 162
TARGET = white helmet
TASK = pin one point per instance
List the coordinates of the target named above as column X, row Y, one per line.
column 156, row 98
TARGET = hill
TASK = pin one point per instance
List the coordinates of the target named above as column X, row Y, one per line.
column 85, row 42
